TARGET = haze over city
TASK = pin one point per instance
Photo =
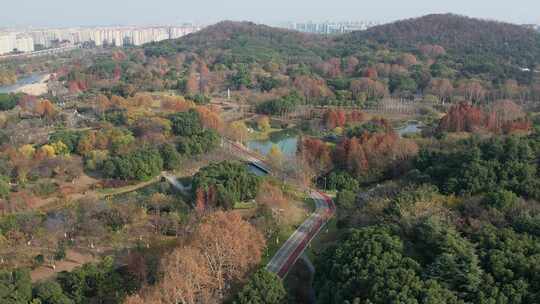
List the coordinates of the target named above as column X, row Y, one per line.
column 141, row 12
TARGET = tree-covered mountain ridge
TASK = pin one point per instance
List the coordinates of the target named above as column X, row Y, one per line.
column 253, row 41
column 459, row 35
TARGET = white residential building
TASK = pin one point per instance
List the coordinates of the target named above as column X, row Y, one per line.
column 24, row 44
column 10, row 42
column 7, row 42
column 112, row 36
column 331, row 27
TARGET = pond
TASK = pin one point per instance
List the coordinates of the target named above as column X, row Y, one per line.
column 412, row 127
column 286, row 140
column 34, row 78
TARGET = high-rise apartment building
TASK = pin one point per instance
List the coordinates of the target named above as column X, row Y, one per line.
column 100, row 36
column 7, row 42
column 24, row 44
column 331, row 27
column 117, row 36
column 10, row 42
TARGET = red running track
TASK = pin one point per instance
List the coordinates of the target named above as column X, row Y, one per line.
column 297, row 243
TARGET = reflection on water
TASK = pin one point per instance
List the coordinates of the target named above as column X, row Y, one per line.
column 21, row 82
column 287, row 141
column 287, row 145
column 255, row 170
column 411, row 128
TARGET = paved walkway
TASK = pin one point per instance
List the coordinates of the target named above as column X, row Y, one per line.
column 282, row 262
column 297, row 243
column 171, row 179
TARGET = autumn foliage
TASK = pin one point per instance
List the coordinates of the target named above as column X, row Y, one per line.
column 316, row 153
column 77, row 86
column 333, row 118
column 462, row 117
column 221, row 252
column 271, row 195
column 312, row 88
column 503, row 116
column 373, row 151
column 43, row 108
column 432, row 50
column 210, row 117
column 372, row 89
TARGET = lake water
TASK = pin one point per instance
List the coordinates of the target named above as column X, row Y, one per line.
column 288, row 142
column 412, row 127
column 34, row 78
column 288, row 145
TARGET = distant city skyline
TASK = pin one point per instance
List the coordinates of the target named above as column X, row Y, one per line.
column 72, row 13
column 22, row 41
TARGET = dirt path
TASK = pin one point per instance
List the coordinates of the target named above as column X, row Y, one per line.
column 79, row 188
column 73, row 259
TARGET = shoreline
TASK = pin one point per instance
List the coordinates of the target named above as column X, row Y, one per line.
column 35, row 89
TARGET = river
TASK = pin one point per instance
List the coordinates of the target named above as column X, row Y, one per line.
column 28, row 84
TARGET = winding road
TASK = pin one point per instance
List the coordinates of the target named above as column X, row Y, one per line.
column 282, row 262
column 293, row 248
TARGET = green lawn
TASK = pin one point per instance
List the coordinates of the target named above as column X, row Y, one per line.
column 273, row 244
column 244, row 205
column 328, row 235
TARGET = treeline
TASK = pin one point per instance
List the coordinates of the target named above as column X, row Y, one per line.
column 243, row 38
column 466, row 38
column 219, row 255
column 347, row 70
column 115, row 152
column 280, row 106
column 369, row 152
column 143, row 275
column 477, row 166
column 430, row 262
column 502, row 117
column 82, row 285
column 9, row 101
column 224, row 184
column 459, row 227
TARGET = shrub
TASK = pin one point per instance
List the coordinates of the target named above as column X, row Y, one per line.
column 142, row 164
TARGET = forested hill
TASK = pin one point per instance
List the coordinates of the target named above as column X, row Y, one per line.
column 218, row 35
column 466, row 39
column 246, row 41
column 460, row 36
column 474, row 48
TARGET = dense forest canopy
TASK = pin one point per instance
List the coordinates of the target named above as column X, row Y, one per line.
column 459, row 35
column 441, row 58
column 244, row 42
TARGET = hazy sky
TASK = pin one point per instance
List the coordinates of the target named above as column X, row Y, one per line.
column 109, row 12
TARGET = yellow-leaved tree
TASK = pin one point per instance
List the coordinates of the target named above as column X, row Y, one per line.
column 238, row 131
column 275, row 156
column 220, row 253
column 263, row 123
